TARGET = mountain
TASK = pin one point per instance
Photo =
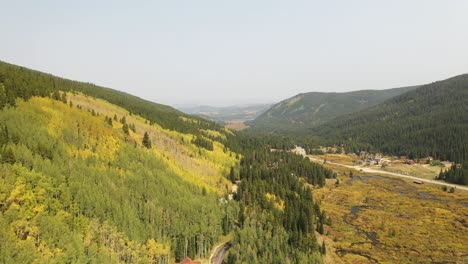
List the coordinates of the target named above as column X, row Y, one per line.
column 230, row 113
column 93, row 175
column 430, row 120
column 25, row 83
column 304, row 111
column 90, row 174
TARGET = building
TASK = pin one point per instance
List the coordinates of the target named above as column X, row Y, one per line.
column 299, row 151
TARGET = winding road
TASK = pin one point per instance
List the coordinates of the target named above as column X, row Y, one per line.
column 217, row 256
column 364, row 169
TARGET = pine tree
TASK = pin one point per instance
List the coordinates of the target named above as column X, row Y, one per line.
column 56, row 95
column 8, row 156
column 3, row 97
column 63, row 97
column 132, row 127
column 125, row 129
column 324, row 249
column 232, row 175
column 146, row 141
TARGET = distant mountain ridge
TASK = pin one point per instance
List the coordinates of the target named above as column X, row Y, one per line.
column 227, row 113
column 431, row 120
column 22, row 82
column 307, row 110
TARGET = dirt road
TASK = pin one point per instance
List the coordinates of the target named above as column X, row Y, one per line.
column 370, row 170
column 217, row 256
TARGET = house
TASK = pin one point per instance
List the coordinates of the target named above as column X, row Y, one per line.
column 299, row 151
column 447, row 163
column 377, row 159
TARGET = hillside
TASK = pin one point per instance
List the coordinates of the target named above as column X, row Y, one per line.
column 304, row 111
column 84, row 178
column 81, row 183
column 76, row 186
column 228, row 113
column 428, row 121
column 24, row 83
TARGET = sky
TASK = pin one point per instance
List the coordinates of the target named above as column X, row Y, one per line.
column 224, row 52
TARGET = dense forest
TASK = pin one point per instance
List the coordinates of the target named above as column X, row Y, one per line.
column 75, row 188
column 82, row 180
column 456, row 174
column 17, row 81
column 297, row 115
column 278, row 217
column 428, row 121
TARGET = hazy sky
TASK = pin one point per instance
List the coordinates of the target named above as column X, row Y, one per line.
column 228, row 52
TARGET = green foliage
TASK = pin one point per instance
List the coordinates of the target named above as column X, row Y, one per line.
column 25, row 83
column 456, row 174
column 203, row 143
column 428, row 121
column 72, row 190
column 297, row 115
column 146, row 141
column 125, row 129
column 277, row 213
column 3, row 96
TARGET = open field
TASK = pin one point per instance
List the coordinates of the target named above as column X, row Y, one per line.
column 384, row 219
column 236, row 125
column 425, row 171
column 419, row 171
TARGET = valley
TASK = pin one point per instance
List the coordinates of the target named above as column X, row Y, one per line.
column 384, row 219
column 90, row 173
column 233, row 132
column 419, row 173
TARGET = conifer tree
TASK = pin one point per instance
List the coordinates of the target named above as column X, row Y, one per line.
column 146, row 141
column 125, row 129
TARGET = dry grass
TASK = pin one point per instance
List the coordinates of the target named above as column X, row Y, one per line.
column 411, row 223
column 417, row 170
column 236, row 125
column 339, row 158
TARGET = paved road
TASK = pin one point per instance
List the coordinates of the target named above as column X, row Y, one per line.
column 364, row 169
column 219, row 257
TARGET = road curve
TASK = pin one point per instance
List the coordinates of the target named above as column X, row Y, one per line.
column 218, row 255
column 458, row 187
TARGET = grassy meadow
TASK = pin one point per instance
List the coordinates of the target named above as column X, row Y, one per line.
column 377, row 219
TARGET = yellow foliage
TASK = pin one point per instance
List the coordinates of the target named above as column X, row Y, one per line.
column 197, row 166
column 276, row 201
column 213, row 133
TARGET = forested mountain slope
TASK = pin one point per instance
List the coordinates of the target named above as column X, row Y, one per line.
column 228, row 113
column 77, row 184
column 81, row 183
column 431, row 120
column 24, row 83
column 304, row 111
column 84, row 179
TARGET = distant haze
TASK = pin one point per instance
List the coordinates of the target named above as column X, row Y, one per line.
column 237, row 52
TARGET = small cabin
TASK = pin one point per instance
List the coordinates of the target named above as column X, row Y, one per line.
column 418, row 182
